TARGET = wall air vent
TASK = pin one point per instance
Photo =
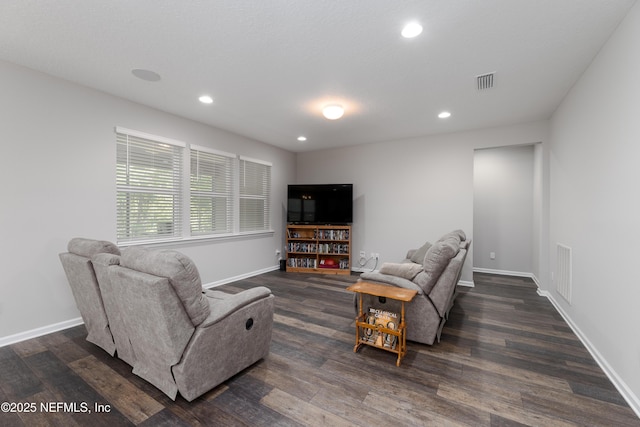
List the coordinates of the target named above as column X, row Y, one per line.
column 485, row 81
column 564, row 271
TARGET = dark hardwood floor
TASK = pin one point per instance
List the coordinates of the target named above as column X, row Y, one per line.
column 506, row 358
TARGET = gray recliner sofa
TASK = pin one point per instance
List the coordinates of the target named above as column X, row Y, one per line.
column 149, row 307
column 185, row 339
column 86, row 290
column 113, row 300
column 433, row 271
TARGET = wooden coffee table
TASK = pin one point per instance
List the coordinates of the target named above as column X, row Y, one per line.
column 386, row 291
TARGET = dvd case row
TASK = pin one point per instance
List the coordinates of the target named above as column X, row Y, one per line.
column 333, row 248
column 302, row 262
column 302, row 247
column 344, row 264
column 332, row 234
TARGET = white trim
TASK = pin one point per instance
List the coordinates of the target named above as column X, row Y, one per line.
column 466, row 283
column 509, row 273
column 503, row 272
column 618, row 382
column 212, row 151
column 252, row 160
column 193, row 239
column 240, row 277
column 44, row 330
column 145, row 135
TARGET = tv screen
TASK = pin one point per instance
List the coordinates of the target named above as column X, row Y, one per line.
column 320, row 204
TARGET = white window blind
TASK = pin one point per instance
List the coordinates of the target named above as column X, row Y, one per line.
column 255, row 195
column 149, row 179
column 212, row 196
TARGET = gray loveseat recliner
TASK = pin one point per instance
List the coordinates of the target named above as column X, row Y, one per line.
column 86, row 290
column 186, row 340
column 433, row 271
column 176, row 335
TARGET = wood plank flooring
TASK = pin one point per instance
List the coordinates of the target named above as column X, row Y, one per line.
column 506, row 358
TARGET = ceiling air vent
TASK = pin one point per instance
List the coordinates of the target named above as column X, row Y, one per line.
column 485, row 81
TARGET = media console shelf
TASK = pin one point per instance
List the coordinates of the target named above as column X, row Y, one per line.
column 322, row 249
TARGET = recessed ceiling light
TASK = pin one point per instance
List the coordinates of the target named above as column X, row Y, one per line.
column 302, row 138
column 411, row 30
column 147, row 75
column 206, row 99
column 444, row 115
column 333, row 111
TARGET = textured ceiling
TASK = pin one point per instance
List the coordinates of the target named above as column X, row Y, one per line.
column 270, row 65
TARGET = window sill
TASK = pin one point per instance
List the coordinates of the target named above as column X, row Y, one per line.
column 193, row 240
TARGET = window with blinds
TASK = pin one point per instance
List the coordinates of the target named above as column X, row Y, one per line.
column 255, row 195
column 169, row 190
column 149, row 176
column 212, row 195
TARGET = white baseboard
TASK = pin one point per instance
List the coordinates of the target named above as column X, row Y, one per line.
column 502, row 272
column 34, row 333
column 44, row 330
column 240, row 277
column 621, row 386
column 466, row 283
column 508, row 273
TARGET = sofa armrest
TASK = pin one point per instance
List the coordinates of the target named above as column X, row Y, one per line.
column 209, row 293
column 221, row 308
column 387, row 279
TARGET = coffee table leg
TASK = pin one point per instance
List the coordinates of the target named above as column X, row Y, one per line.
column 357, row 346
column 403, row 338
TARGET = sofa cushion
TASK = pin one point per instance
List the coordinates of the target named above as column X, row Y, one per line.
column 435, row 261
column 407, row 270
column 458, row 234
column 418, row 255
column 181, row 272
column 89, row 247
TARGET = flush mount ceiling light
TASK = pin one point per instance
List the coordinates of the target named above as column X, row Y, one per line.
column 333, row 111
column 302, row 138
column 444, row 115
column 411, row 30
column 206, row 99
column 146, row 75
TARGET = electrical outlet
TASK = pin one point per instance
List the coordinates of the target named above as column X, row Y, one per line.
column 492, row 255
column 363, row 254
column 376, row 255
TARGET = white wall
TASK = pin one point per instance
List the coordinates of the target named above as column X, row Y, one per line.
column 58, row 175
column 503, row 209
column 410, row 191
column 595, row 203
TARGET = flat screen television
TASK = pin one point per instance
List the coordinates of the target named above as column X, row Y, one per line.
column 320, row 204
